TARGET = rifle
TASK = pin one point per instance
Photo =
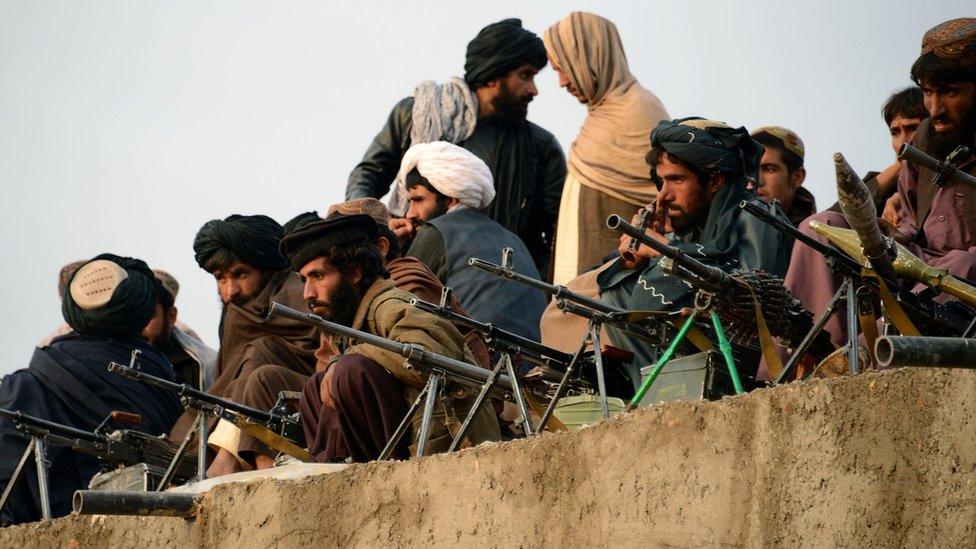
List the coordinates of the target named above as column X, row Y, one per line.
column 945, row 172
column 947, row 319
column 736, row 294
column 276, row 428
column 438, row 368
column 121, row 447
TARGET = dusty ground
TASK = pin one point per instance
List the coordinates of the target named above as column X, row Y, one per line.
column 882, row 460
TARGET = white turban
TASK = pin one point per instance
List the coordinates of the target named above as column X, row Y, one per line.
column 452, row 170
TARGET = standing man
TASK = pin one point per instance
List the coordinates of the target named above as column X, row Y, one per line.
column 366, row 392
column 607, row 173
column 447, row 187
column 485, row 113
column 241, row 252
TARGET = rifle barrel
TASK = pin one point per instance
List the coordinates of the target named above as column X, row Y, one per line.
column 916, row 156
column 185, row 390
column 559, row 292
column 712, row 278
column 466, row 373
column 54, row 428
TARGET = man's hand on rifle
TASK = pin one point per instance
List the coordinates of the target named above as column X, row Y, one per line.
column 633, row 258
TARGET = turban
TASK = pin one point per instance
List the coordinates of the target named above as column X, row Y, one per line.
column 300, row 221
column 452, row 170
column 710, row 146
column 253, row 239
column 317, row 239
column 110, row 296
column 500, row 48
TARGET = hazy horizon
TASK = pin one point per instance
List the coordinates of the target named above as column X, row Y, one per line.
column 126, row 126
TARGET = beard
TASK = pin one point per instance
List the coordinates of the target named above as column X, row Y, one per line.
column 688, row 220
column 510, row 106
column 342, row 305
column 944, row 144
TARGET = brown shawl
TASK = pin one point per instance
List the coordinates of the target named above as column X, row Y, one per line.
column 608, row 154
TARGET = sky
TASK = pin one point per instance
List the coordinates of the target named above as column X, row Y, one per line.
column 124, row 126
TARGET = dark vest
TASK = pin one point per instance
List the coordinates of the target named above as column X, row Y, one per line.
column 509, row 305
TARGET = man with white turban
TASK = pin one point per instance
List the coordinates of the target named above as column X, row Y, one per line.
column 447, row 188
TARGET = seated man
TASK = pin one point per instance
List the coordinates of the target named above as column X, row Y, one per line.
column 366, row 392
column 937, row 223
column 701, row 168
column 108, row 301
column 241, row 252
column 447, row 187
column 193, row 362
column 781, row 173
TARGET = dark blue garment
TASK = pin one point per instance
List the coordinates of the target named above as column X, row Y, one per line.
column 67, row 382
column 509, row 305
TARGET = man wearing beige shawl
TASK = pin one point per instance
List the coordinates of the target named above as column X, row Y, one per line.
column 607, row 171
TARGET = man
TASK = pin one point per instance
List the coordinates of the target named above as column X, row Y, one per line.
column 241, row 252
column 193, row 362
column 701, row 168
column 936, row 223
column 485, row 113
column 108, row 300
column 366, row 391
column 447, row 186
column 781, row 173
column 607, row 173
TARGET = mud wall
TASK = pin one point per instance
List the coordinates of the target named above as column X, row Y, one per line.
column 881, row 460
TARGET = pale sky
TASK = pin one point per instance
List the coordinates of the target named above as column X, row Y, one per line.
column 126, row 125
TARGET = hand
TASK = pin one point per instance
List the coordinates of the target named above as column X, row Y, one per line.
column 892, row 210
column 403, row 228
column 632, row 259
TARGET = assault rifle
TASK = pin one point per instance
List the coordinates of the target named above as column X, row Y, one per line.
column 438, row 367
column 121, row 447
column 948, row 319
column 276, row 428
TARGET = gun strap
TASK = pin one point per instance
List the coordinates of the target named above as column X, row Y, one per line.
column 892, row 308
column 774, row 363
column 867, row 318
column 271, row 438
column 698, row 339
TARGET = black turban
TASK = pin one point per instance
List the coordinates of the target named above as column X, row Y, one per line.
column 317, row 238
column 300, row 221
column 710, row 146
column 500, row 48
column 126, row 313
column 253, row 239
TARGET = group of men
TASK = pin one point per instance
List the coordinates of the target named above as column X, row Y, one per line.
column 470, row 177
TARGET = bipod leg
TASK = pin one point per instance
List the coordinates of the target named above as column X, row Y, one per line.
column 601, row 383
column 202, row 446
column 561, row 388
column 807, row 341
column 478, row 401
column 40, row 457
column 177, row 458
column 852, row 327
column 404, row 425
column 661, row 361
column 17, row 473
column 433, row 386
column 519, row 397
column 726, row 348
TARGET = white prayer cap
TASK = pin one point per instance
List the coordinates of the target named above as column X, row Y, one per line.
column 454, row 171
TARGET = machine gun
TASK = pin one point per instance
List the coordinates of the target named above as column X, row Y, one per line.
column 120, row 447
column 276, row 428
column 439, row 369
column 949, row 319
column 651, row 326
column 736, row 295
column 946, row 172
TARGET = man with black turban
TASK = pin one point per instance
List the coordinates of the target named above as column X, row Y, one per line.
column 108, row 301
column 241, row 252
column 701, row 169
column 485, row 113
